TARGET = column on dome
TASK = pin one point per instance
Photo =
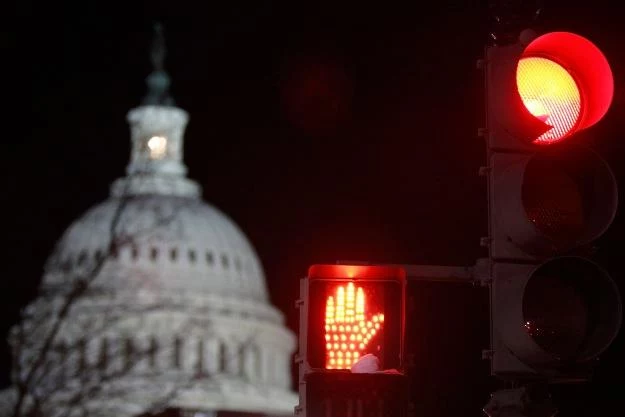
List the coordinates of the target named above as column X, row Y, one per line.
column 73, row 361
column 59, row 356
column 141, row 353
column 251, row 362
column 50, row 372
column 188, row 349
column 234, row 355
column 283, row 376
column 165, row 352
column 93, row 352
column 246, row 359
column 210, row 354
column 114, row 355
column 267, row 358
column 258, row 363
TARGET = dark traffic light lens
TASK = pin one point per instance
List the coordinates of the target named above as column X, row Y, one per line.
column 556, row 315
column 571, row 308
column 553, row 201
column 569, row 198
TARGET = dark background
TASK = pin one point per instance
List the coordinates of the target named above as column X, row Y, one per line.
column 326, row 131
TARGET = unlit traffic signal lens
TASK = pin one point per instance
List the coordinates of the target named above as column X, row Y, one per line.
column 553, row 201
column 557, row 314
column 571, row 309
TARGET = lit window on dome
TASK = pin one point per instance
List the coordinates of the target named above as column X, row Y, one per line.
column 209, row 258
column 224, row 261
column 191, row 255
column 157, row 145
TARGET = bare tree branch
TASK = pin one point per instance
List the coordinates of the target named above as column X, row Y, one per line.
column 41, row 363
column 79, row 286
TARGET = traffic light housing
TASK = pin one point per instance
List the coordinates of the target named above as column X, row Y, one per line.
column 553, row 310
column 352, row 340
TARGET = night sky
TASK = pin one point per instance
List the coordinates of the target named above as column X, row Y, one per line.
column 326, row 131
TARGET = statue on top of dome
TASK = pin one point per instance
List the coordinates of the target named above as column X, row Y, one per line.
column 158, row 81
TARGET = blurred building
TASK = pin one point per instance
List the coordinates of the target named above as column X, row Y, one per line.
column 153, row 302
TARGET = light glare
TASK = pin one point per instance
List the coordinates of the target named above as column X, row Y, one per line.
column 157, row 146
column 346, row 320
column 551, row 95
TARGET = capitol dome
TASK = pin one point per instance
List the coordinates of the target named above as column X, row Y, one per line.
column 153, row 301
column 177, row 243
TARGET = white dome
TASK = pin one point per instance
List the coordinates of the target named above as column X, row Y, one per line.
column 154, row 295
column 174, row 243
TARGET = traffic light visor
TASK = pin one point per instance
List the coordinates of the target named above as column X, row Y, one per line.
column 564, row 81
column 352, row 314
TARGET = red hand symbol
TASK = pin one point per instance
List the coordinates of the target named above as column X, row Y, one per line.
column 348, row 329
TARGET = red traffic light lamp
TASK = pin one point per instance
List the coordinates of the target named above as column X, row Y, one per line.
column 544, row 92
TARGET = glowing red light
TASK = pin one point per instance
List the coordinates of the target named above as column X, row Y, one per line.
column 346, row 318
column 565, row 81
column 349, row 311
column 551, row 94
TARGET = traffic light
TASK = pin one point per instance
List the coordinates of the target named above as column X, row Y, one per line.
column 352, row 341
column 553, row 310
